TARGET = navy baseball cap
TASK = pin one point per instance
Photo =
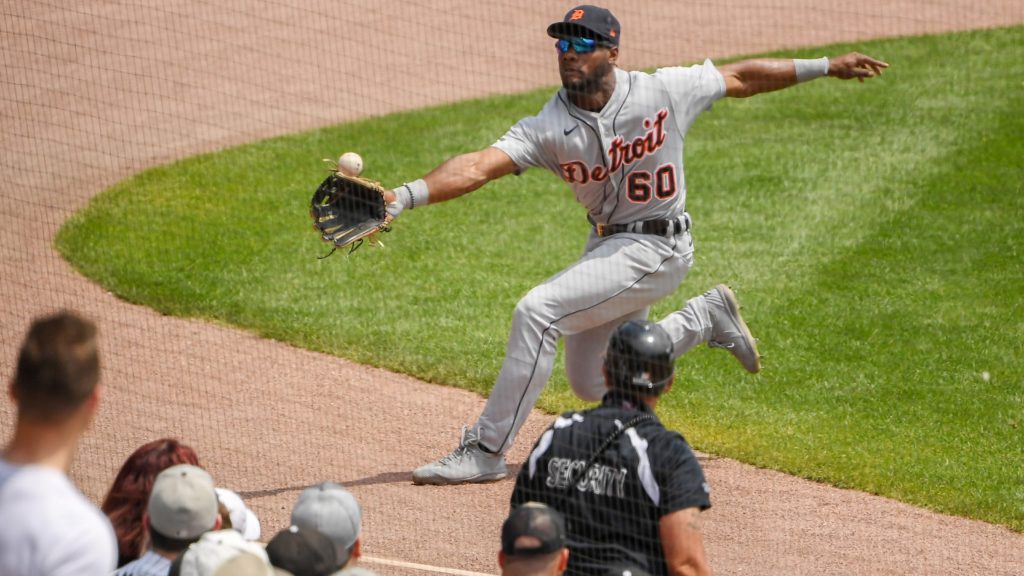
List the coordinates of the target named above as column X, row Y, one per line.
column 588, row 21
column 531, row 529
column 302, row 552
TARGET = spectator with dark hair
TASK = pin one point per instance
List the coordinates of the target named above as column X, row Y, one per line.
column 533, row 542
column 46, row 525
column 126, row 501
column 182, row 507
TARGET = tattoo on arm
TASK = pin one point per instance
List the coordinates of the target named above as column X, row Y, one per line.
column 694, row 523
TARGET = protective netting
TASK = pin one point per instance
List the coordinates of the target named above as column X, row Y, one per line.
column 91, row 93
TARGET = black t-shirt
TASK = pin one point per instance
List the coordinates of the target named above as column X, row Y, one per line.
column 613, row 508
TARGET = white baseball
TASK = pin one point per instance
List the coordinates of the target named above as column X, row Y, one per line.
column 350, row 164
column 986, row 376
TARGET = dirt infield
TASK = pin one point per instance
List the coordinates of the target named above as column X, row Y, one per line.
column 94, row 94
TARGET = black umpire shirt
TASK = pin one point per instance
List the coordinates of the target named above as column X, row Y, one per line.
column 612, row 508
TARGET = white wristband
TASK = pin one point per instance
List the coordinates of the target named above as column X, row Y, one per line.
column 810, row 69
column 412, row 194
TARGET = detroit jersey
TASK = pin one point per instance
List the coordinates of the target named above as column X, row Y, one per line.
column 624, row 163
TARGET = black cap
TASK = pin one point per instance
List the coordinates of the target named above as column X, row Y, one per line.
column 303, row 552
column 639, row 357
column 544, row 526
column 587, row 21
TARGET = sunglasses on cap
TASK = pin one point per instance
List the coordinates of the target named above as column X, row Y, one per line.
column 580, row 45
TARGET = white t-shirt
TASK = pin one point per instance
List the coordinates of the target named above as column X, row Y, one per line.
column 48, row 528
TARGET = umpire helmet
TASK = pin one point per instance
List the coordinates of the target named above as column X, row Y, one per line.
column 639, row 358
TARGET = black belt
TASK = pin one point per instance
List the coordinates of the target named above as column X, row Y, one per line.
column 656, row 227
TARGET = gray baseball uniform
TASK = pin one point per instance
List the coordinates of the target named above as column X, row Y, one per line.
column 625, row 166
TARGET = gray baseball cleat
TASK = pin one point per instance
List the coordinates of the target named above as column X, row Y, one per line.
column 728, row 330
column 466, row 464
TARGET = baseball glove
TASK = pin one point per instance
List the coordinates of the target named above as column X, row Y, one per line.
column 348, row 210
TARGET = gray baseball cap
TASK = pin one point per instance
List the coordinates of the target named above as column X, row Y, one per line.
column 183, row 503
column 332, row 510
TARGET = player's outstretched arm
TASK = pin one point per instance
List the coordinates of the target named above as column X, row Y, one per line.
column 453, row 178
column 750, row 77
column 467, row 172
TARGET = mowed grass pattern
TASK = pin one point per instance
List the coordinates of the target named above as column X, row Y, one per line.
column 873, row 233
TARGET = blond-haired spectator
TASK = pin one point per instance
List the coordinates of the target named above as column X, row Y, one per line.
column 239, row 516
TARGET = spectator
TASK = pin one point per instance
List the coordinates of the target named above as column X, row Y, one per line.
column 182, row 507
column 216, row 554
column 303, row 552
column 126, row 501
column 46, row 525
column 225, row 515
column 333, row 511
column 240, row 517
column 630, row 490
column 247, row 564
column 533, row 542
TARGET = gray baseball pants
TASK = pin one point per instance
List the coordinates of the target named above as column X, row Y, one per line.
column 617, row 279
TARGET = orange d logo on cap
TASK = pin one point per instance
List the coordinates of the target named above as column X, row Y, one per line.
column 587, row 21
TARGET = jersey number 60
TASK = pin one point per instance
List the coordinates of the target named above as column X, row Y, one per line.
column 640, row 187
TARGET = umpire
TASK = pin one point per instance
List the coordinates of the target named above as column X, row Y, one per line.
column 630, row 490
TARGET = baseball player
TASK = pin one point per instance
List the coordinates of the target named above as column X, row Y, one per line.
column 616, row 138
column 630, row 490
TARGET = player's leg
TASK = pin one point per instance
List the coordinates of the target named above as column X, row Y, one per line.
column 584, row 353
column 688, row 326
column 713, row 317
column 616, row 276
column 705, row 318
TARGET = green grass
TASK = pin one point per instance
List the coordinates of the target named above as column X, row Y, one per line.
column 873, row 231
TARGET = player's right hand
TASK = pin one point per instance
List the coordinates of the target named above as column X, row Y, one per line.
column 855, row 65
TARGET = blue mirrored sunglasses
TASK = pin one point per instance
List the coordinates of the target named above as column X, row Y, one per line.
column 580, row 45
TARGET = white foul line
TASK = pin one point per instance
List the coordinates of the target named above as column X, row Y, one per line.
column 424, row 567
